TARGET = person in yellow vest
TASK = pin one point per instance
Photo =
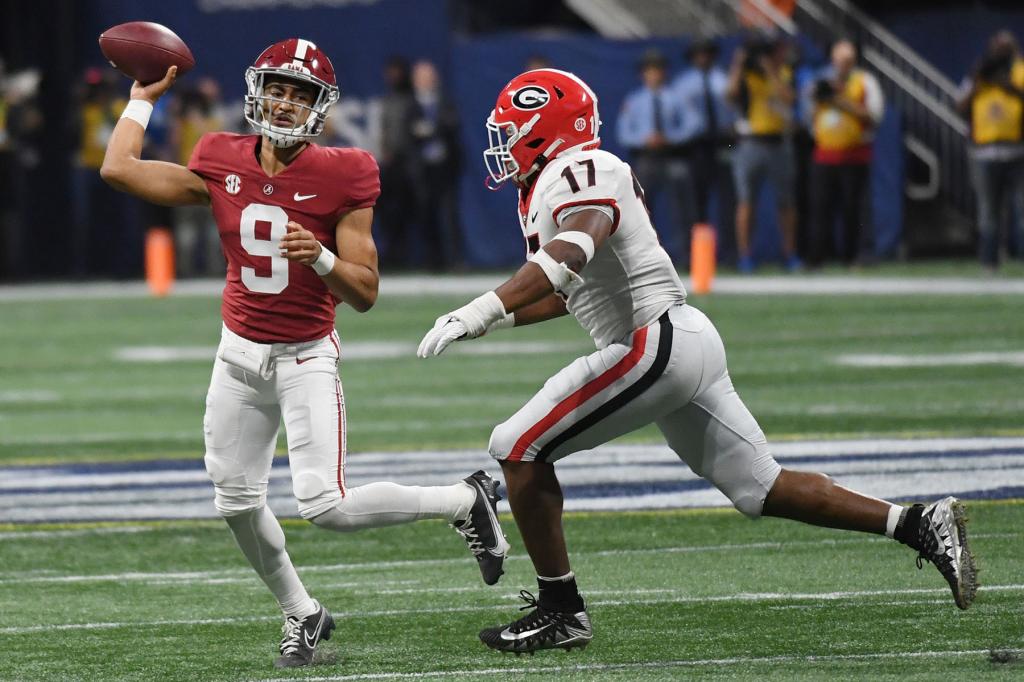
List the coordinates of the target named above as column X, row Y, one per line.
column 197, row 250
column 103, row 228
column 845, row 105
column 993, row 99
column 761, row 87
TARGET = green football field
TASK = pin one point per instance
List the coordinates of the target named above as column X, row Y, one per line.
column 673, row 594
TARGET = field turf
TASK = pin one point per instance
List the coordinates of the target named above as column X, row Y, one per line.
column 673, row 594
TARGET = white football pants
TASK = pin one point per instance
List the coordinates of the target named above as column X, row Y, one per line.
column 299, row 383
column 672, row 373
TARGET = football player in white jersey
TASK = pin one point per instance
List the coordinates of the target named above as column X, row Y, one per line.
column 594, row 253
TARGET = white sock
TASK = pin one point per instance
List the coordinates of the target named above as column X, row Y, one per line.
column 895, row 511
column 261, row 540
column 388, row 504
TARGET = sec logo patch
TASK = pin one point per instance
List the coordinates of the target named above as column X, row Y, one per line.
column 233, row 184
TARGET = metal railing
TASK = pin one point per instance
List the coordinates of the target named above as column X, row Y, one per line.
column 934, row 131
column 925, row 97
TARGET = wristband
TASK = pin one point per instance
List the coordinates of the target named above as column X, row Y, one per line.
column 509, row 320
column 324, row 263
column 479, row 314
column 138, row 110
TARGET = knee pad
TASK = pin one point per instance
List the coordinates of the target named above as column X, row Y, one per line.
column 503, row 439
column 232, row 494
column 746, row 478
column 314, row 495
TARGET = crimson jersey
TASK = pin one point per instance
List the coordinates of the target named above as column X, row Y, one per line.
column 268, row 298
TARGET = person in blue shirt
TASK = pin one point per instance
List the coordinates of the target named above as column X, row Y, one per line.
column 650, row 126
column 708, row 132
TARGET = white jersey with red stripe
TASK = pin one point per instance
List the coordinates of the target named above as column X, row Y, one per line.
column 630, row 281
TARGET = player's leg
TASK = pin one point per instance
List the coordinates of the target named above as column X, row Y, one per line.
column 240, row 427
column 719, row 439
column 748, row 171
column 313, row 406
column 595, row 399
column 781, row 172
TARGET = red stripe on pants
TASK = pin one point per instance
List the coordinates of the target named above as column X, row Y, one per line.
column 341, row 423
column 582, row 395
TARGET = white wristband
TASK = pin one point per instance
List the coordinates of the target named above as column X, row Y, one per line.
column 324, row 263
column 138, row 110
column 509, row 320
column 479, row 314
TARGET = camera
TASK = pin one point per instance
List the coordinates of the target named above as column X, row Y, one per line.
column 824, row 90
column 995, row 66
column 757, row 50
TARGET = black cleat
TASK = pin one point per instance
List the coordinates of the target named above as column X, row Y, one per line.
column 301, row 636
column 481, row 529
column 943, row 542
column 540, row 629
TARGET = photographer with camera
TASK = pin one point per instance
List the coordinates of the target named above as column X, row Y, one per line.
column 761, row 87
column 993, row 100
column 845, row 106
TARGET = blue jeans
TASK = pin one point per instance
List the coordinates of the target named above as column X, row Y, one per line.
column 998, row 185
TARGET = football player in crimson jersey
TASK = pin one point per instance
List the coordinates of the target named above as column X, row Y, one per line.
column 594, row 253
column 294, row 221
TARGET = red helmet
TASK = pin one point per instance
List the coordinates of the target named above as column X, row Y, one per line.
column 298, row 60
column 539, row 115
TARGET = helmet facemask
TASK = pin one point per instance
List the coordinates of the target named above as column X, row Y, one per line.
column 501, row 137
column 258, row 104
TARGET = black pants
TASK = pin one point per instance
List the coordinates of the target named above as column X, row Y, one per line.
column 842, row 188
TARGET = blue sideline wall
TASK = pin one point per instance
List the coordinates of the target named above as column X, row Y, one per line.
column 360, row 37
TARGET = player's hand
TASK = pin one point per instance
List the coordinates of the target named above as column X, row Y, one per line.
column 299, row 244
column 152, row 92
column 446, row 329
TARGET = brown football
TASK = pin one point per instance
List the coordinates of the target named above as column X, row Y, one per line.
column 143, row 50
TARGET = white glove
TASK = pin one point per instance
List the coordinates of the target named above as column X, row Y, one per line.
column 468, row 322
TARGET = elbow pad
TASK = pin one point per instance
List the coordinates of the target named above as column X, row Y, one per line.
column 564, row 280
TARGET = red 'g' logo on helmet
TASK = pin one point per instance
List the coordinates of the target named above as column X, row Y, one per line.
column 530, row 97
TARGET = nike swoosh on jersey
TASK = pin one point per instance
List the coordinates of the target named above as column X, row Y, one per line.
column 302, row 197
column 534, row 218
column 516, row 636
column 299, row 361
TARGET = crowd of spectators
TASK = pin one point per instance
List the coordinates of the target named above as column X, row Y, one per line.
column 714, row 138
column 705, row 141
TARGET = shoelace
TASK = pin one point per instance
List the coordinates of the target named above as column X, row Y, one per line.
column 469, row 532
column 929, row 547
column 291, row 642
column 536, row 617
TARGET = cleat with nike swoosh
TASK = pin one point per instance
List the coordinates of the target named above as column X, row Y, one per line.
column 301, row 636
column 540, row 629
column 481, row 530
column 942, row 541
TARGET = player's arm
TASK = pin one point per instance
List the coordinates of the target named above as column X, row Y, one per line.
column 158, row 182
column 547, row 308
column 555, row 268
column 352, row 275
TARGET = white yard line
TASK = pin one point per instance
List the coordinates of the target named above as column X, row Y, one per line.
column 750, row 597
column 645, row 665
column 227, row 574
column 465, row 285
column 1012, row 358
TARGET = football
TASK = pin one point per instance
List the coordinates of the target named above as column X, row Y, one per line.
column 143, row 50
